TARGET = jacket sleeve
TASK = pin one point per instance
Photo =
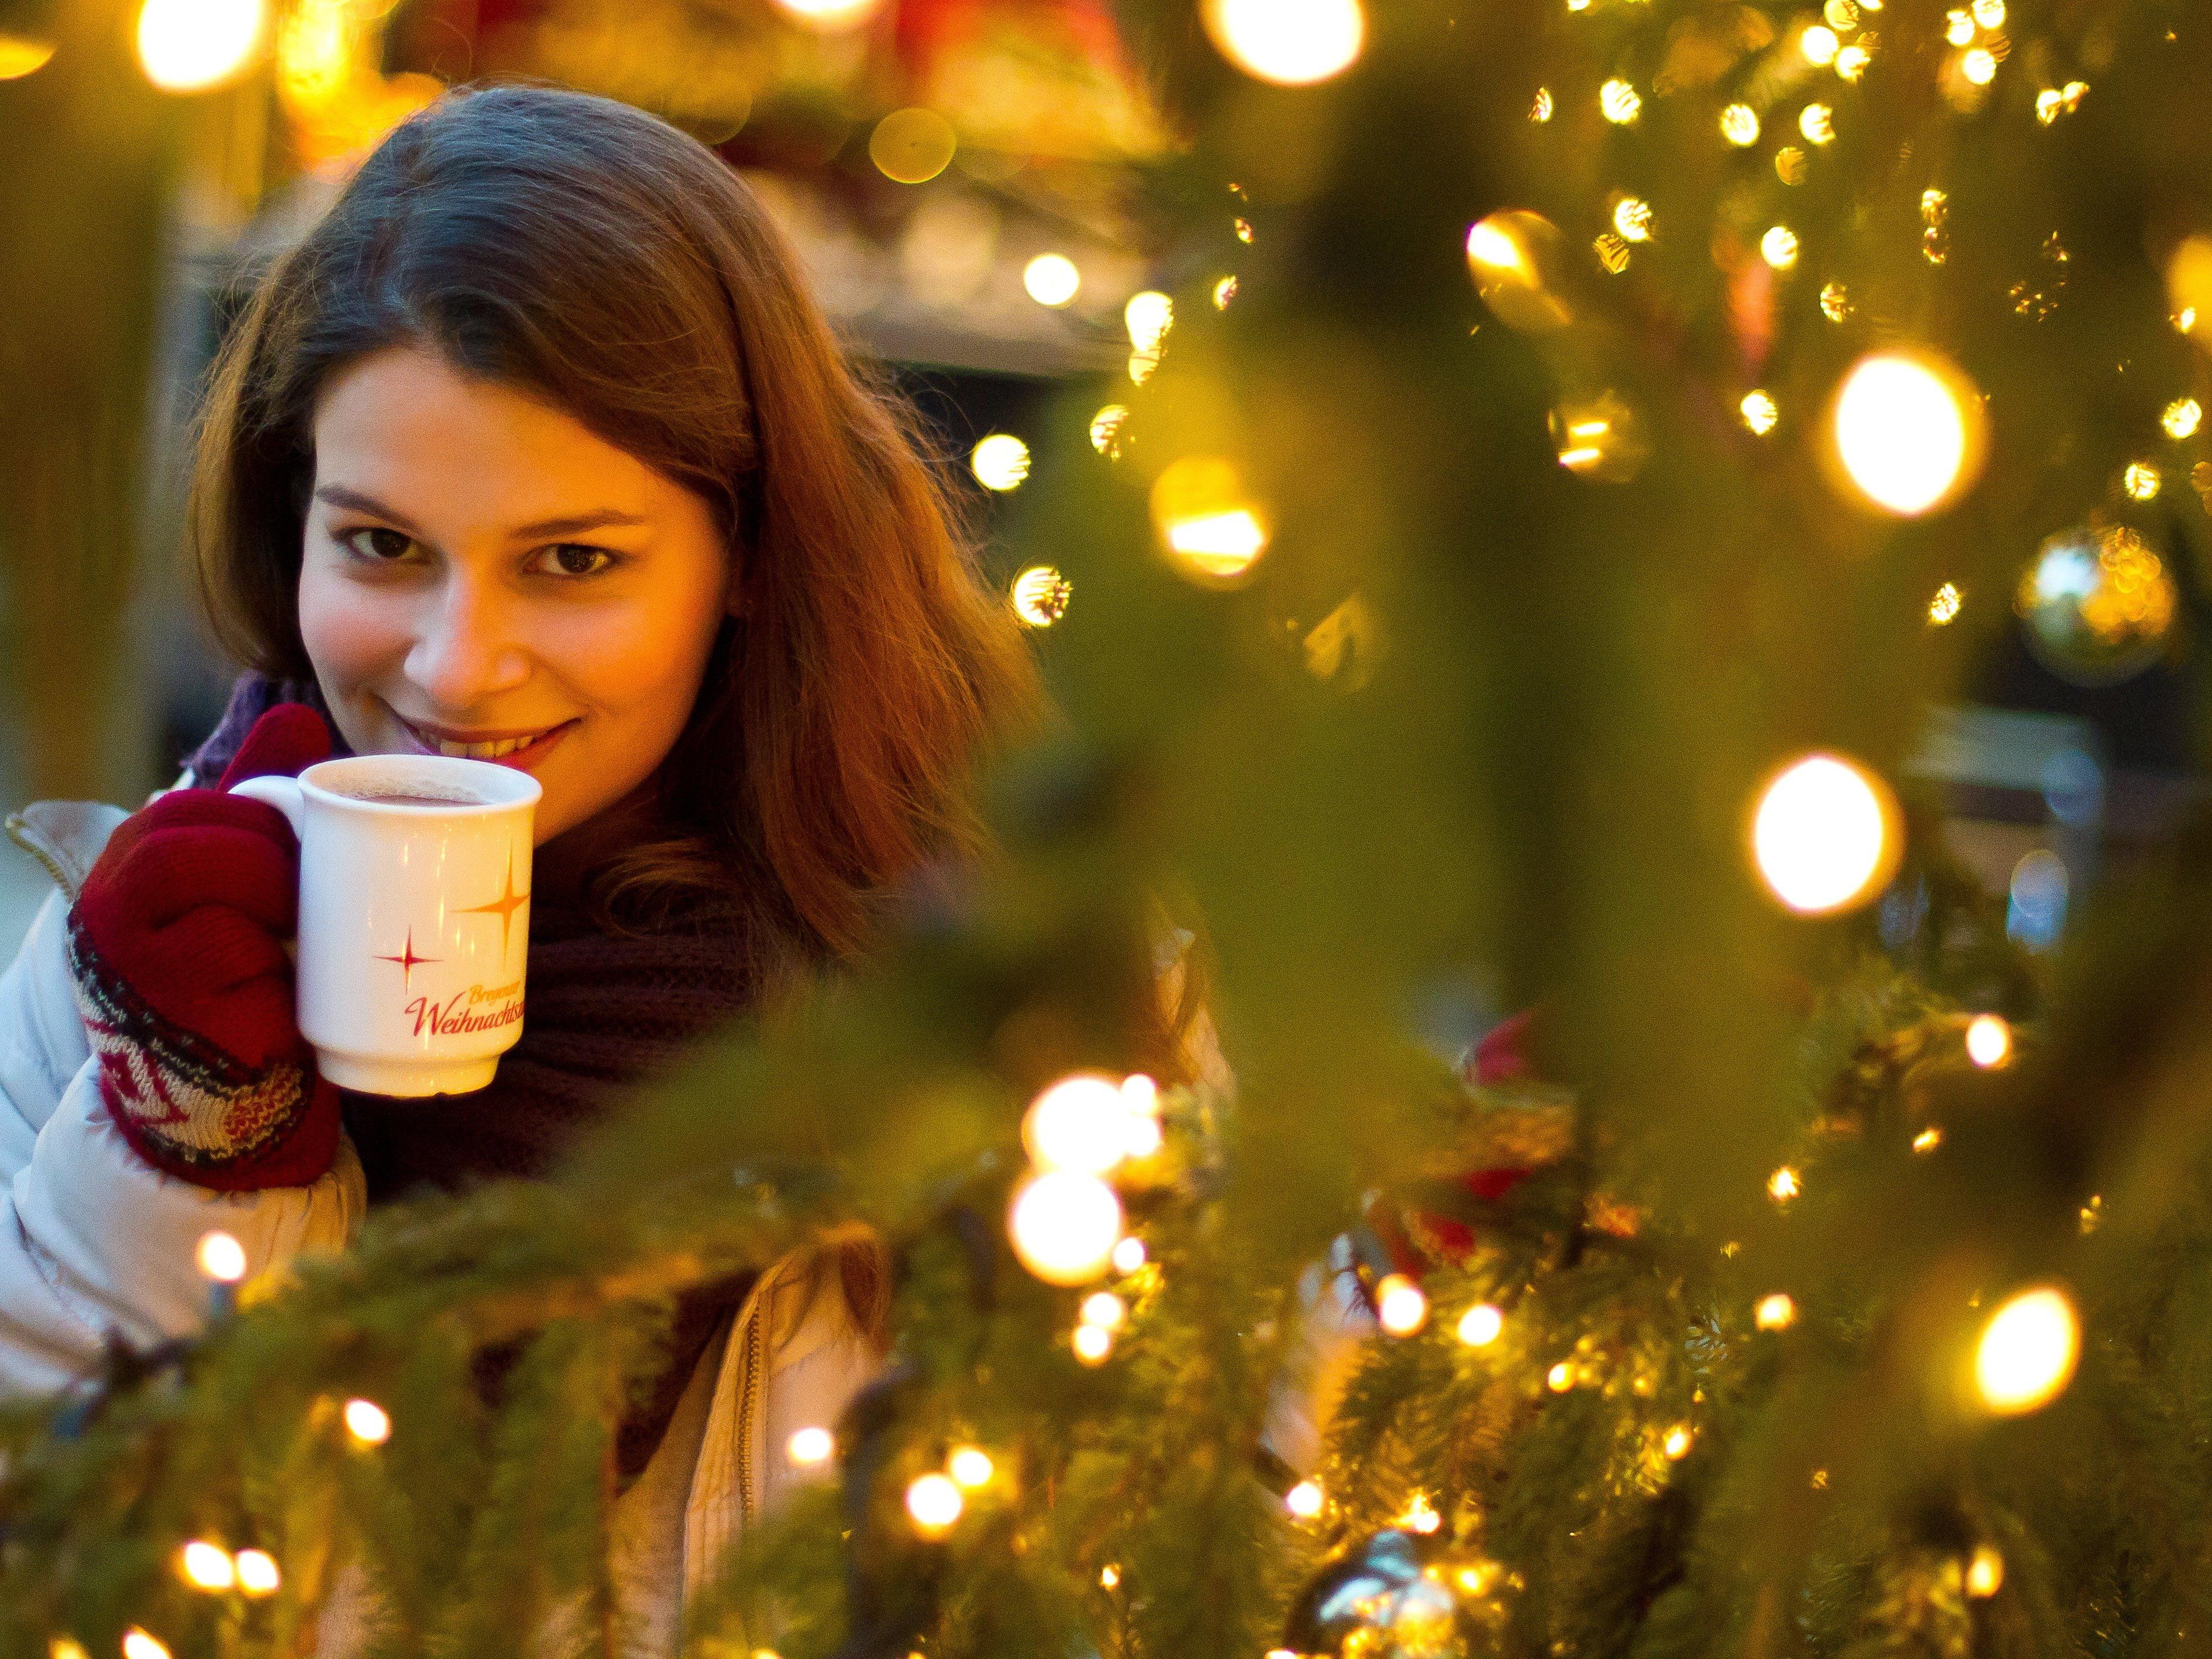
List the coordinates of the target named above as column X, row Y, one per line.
column 94, row 1240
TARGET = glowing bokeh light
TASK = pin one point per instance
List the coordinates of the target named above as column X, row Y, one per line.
column 1079, row 1123
column 1481, row 1325
column 1631, row 217
column 1104, row 1310
column 1292, row 43
column 1677, row 1442
column 1561, row 1378
column 1777, row 1312
column 1052, row 279
column 810, row 1446
column 1928, row 1139
column 1988, row 1041
column 830, row 16
column 1148, row 316
column 1943, row 608
column 221, row 1257
column 1512, row 255
column 1980, row 66
column 142, row 1644
column 1091, row 1343
column 2140, row 481
column 1128, row 1255
column 1740, row 126
column 1985, row 1572
column 368, row 1422
column 970, row 1467
column 1759, row 412
column 256, row 1572
column 2182, row 418
column 2027, row 1352
column 933, row 1502
column 1783, row 1185
column 1303, row 1500
column 1819, row 45
column 1211, row 529
column 197, row 45
column 1823, row 837
column 1401, row 1306
column 1064, row 1225
column 1224, row 292
column 1907, row 431
column 1001, row 462
column 1040, row 595
column 1620, row 103
column 21, row 55
column 1778, row 247
column 1540, row 109
column 1818, row 122
column 206, row 1566
column 912, row 146
column 1106, row 429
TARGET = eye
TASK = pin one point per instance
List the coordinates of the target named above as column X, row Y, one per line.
column 576, row 559
column 378, row 543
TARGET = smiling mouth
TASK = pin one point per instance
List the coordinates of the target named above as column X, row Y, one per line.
column 506, row 746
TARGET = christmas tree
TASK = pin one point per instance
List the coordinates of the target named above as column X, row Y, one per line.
column 1571, row 449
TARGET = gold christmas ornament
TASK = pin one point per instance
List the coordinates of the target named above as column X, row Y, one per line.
column 2097, row 605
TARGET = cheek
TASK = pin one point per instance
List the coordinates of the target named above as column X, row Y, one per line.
column 642, row 660
column 351, row 634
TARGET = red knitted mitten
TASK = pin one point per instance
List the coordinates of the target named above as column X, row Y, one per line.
column 177, row 944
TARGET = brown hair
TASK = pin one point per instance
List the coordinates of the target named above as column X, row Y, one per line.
column 593, row 256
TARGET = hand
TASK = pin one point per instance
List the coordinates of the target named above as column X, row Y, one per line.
column 177, row 943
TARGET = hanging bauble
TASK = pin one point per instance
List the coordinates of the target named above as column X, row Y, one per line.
column 1386, row 1597
column 2097, row 605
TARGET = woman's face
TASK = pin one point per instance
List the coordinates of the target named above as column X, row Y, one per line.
column 482, row 575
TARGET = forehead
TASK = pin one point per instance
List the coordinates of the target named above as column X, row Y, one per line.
column 407, row 426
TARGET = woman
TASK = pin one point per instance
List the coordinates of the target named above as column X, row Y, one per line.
column 535, row 449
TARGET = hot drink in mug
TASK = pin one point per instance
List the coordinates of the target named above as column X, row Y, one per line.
column 414, row 916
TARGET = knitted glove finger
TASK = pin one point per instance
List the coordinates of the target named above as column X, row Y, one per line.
column 219, row 973
column 284, row 742
column 168, row 870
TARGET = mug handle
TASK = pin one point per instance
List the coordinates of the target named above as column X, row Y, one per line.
column 277, row 791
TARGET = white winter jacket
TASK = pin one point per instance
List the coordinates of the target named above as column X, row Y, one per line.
column 95, row 1241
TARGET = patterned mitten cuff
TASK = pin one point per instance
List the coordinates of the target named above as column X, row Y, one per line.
column 188, row 1107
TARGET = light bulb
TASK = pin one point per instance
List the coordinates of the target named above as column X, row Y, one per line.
column 197, row 46
column 1001, row 462
column 206, row 1566
column 1148, row 316
column 1292, row 43
column 1401, row 1305
column 1823, row 836
column 1775, row 1313
column 1480, row 1326
column 1065, row 1225
column 1104, row 1310
column 1988, row 1041
column 2027, row 1352
column 1079, row 1123
column 368, row 1422
column 1091, row 1343
column 1908, row 430
column 933, row 1502
column 811, row 1445
column 1128, row 1255
column 256, row 1572
column 1052, row 279
column 971, row 1466
column 1303, row 1500
column 221, row 1257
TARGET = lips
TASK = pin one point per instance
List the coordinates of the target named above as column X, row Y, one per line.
column 514, row 748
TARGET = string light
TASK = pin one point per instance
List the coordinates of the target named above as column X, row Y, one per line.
column 2140, row 481
column 1104, row 1310
column 1040, row 596
column 1001, row 461
column 220, row 1257
column 1092, row 1343
column 1778, row 247
column 971, row 1466
column 1980, row 66
column 1776, row 1312
column 1481, row 1325
column 1985, row 1572
column 1401, row 1306
column 1988, row 1041
column 197, row 45
column 1292, row 43
column 1759, row 412
column 1959, row 26
column 1943, row 608
column 1419, row 1515
column 1677, row 1443
column 1989, row 14
column 1819, row 45
column 140, row 1644
column 1822, row 837
column 1740, row 126
column 1148, row 316
column 1303, row 1500
column 1224, row 292
column 206, row 1566
column 1106, row 429
column 810, row 1446
column 1835, row 302
column 1818, row 122
column 1561, row 1378
column 1065, row 1225
column 1631, row 217
column 1540, row 111
column 830, row 16
column 1928, row 1139
column 1783, row 1185
column 1210, row 527
column 1851, row 61
column 368, row 1422
column 1109, row 1577
column 1079, row 1123
column 933, row 1502
column 20, row 57
column 1620, row 103
column 2182, row 418
column 2027, row 1352
column 1128, row 1255
column 1052, row 279
column 1907, row 431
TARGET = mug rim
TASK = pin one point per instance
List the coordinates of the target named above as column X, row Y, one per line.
column 519, row 788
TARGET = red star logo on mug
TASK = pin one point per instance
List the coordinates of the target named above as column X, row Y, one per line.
column 407, row 959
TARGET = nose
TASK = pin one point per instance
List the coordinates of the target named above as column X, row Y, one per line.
column 467, row 647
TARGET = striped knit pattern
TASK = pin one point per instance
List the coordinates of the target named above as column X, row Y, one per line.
column 184, row 1104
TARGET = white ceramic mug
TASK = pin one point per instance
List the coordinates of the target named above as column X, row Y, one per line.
column 414, row 916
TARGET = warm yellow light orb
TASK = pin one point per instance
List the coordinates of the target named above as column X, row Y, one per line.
column 1001, row 462
column 1907, row 431
column 1104, row 1310
column 1783, row 1185
column 256, row 1572
column 368, row 1422
column 1292, row 43
column 810, row 1446
column 1851, row 61
column 970, row 1467
column 1561, row 1378
column 197, row 46
column 1759, row 412
column 1985, row 1572
column 912, row 146
column 933, row 1502
column 1980, row 66
column 221, row 1257
column 1620, row 103
column 1109, row 1577
column 1631, row 217
column 2182, row 418
column 1303, row 1500
column 206, row 1566
column 1148, row 316
column 1511, row 254
column 1778, row 247
column 1209, row 526
column 1401, row 1305
column 1106, row 429
column 1818, row 122
column 1480, row 1326
column 66, row 1647
column 1943, row 608
column 1740, row 126
column 140, row 1644
column 1676, row 1445
column 1052, row 279
column 2140, row 481
column 1823, row 836
column 830, row 16
column 1959, row 26
column 1079, row 1123
column 1777, row 1312
column 1064, row 1225
column 1091, row 1343
column 1928, row 1139
column 1128, row 1255
column 20, row 56
column 1989, row 14
column 2027, row 1352
column 1040, row 595
column 1988, row 1041
column 1819, row 45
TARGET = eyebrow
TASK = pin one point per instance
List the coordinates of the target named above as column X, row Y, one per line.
column 573, row 524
